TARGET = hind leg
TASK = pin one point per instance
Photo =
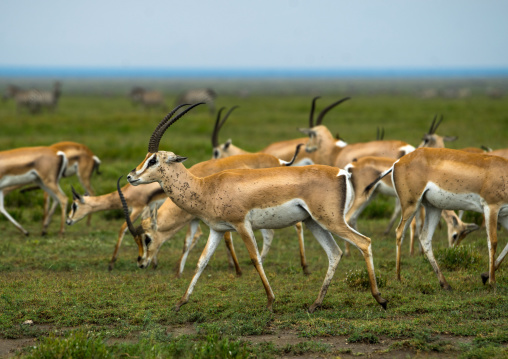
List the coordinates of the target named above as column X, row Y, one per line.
column 333, row 253
column 408, row 214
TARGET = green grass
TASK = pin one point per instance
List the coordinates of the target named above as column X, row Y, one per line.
column 63, row 286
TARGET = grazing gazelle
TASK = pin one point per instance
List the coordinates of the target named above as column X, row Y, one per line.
column 43, row 166
column 440, row 178
column 137, row 197
column 248, row 199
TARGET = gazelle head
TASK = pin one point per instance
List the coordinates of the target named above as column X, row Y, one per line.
column 146, row 240
column 80, row 207
column 227, row 148
column 431, row 139
column 149, row 169
column 459, row 230
column 318, row 134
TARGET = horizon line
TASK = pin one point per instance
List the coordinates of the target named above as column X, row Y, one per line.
column 246, row 72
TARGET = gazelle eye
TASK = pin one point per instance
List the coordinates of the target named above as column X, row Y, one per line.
column 152, row 161
column 148, row 240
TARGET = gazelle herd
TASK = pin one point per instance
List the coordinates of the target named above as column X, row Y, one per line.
column 317, row 180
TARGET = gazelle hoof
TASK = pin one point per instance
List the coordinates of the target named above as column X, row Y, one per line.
column 485, row 277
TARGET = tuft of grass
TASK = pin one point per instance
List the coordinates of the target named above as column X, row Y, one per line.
column 75, row 345
column 461, row 257
column 359, row 279
column 367, row 338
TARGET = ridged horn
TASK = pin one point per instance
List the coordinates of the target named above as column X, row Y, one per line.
column 153, row 144
column 165, row 126
column 328, row 108
column 297, row 150
column 134, row 231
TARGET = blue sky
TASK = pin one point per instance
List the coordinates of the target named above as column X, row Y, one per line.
column 227, row 34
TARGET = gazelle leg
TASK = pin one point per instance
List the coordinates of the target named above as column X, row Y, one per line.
column 232, row 253
column 405, row 220
column 6, row 214
column 333, row 253
column 485, row 276
column 432, row 217
column 250, row 242
column 301, row 241
column 187, row 246
column 395, row 215
column 59, row 197
column 363, row 243
column 211, row 245
column 491, row 214
column 267, row 242
column 123, row 229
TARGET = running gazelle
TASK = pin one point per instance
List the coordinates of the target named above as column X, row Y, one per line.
column 249, row 199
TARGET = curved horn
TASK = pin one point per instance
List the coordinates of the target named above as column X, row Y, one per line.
column 216, row 128
column 438, row 123
column 432, row 125
column 294, row 157
column 166, row 125
column 133, row 230
column 380, row 134
column 328, row 108
column 312, row 108
column 153, row 144
column 219, row 124
column 75, row 194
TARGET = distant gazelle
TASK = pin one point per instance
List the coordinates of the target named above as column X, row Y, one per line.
column 249, row 199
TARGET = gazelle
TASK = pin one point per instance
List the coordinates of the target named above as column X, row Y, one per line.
column 165, row 221
column 81, row 162
column 329, row 152
column 450, row 179
column 43, row 166
column 364, row 171
column 282, row 149
column 137, row 198
column 249, row 199
column 147, row 99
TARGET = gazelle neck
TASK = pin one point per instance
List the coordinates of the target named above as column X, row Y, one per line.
column 184, row 189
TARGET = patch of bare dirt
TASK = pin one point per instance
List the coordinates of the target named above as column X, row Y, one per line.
column 340, row 347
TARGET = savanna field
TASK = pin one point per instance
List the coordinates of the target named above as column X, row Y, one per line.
column 79, row 309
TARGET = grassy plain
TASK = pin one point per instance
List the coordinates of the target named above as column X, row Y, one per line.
column 63, row 286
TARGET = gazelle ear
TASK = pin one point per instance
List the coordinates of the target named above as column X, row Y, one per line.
column 449, row 138
column 228, row 143
column 306, row 131
column 76, row 195
column 180, row 159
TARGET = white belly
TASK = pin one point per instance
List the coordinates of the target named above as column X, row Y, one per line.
column 282, row 216
column 71, row 170
column 454, row 201
column 25, row 178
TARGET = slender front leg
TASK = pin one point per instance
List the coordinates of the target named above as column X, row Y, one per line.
column 301, row 241
column 491, row 214
column 4, row 212
column 211, row 245
column 485, row 276
column 232, row 253
column 333, row 253
column 247, row 236
column 405, row 220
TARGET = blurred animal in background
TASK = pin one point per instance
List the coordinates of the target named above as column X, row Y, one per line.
column 34, row 100
column 147, row 99
column 43, row 166
column 194, row 96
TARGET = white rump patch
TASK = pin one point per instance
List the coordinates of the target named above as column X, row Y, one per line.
column 407, row 149
column 340, row 143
